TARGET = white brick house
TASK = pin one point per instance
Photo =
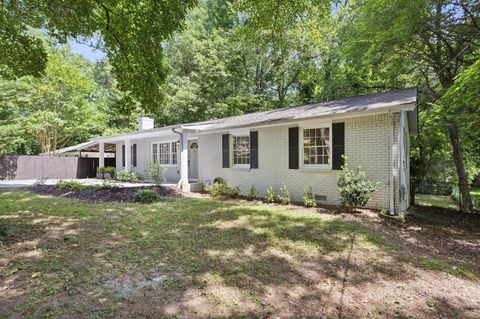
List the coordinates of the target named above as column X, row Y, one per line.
column 299, row 147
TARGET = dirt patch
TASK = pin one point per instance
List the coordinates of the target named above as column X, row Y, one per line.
column 115, row 194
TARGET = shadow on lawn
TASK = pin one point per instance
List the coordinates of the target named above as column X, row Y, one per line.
column 196, row 258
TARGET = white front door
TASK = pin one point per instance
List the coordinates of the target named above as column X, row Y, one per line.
column 193, row 159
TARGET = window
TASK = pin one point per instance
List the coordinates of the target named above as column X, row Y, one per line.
column 316, row 146
column 164, row 153
column 241, row 150
column 174, row 152
column 133, row 155
column 154, row 152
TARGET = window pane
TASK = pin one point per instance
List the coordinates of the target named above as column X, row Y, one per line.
column 174, row 152
column 316, row 146
column 241, row 150
column 164, row 153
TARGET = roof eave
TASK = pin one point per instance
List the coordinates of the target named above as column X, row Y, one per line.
column 397, row 108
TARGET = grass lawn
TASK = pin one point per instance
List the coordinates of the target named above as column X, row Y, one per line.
column 185, row 257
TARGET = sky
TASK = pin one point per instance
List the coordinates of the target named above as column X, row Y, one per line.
column 83, row 48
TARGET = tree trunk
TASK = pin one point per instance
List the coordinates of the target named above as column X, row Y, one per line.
column 466, row 200
column 413, row 187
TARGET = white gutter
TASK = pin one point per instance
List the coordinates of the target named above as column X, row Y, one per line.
column 392, row 162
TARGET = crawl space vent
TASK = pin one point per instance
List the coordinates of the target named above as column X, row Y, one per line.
column 321, row 198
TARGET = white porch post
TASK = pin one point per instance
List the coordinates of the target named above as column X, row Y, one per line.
column 127, row 154
column 184, row 162
column 101, row 158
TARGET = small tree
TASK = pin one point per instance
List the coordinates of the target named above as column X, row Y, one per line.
column 155, row 172
column 354, row 187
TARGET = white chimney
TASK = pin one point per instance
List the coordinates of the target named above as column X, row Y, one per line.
column 145, row 123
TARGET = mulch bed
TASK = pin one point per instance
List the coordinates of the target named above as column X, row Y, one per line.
column 115, row 194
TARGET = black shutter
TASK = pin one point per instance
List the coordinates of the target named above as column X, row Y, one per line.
column 253, row 149
column 123, row 155
column 293, row 148
column 134, row 155
column 225, row 151
column 338, row 145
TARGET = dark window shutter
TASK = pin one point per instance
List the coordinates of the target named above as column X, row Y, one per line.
column 338, row 145
column 123, row 155
column 225, row 151
column 293, row 148
column 134, row 155
column 253, row 149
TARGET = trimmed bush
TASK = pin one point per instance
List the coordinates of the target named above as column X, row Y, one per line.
column 284, row 197
column 222, row 190
column 147, row 196
column 309, row 198
column 155, row 172
column 270, row 195
column 354, row 188
column 106, row 170
column 253, row 195
column 76, row 186
column 127, row 176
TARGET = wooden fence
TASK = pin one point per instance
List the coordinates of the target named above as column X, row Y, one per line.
column 15, row 167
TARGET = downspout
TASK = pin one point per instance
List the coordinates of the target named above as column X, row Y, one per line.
column 392, row 162
column 182, row 184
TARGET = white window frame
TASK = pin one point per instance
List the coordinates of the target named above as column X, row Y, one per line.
column 232, row 136
column 170, row 155
column 313, row 125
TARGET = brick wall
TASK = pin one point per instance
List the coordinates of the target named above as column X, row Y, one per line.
column 366, row 144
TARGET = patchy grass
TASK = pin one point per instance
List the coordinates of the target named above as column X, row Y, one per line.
column 436, row 201
column 206, row 258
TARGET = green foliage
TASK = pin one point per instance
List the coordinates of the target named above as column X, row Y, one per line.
column 222, row 190
column 146, row 196
column 354, row 188
column 106, row 170
column 218, row 180
column 6, row 229
column 270, row 195
column 253, row 195
column 308, row 198
column 76, row 186
column 155, row 172
column 127, row 176
column 284, row 197
column 130, row 35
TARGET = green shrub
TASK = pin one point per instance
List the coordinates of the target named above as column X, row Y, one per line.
column 253, row 195
column 155, row 172
column 218, row 180
column 354, row 188
column 6, row 229
column 76, row 186
column 127, row 176
column 146, row 196
column 270, row 195
column 106, row 170
column 222, row 190
column 309, row 198
column 284, row 197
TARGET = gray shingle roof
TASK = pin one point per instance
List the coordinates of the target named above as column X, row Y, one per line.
column 379, row 102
